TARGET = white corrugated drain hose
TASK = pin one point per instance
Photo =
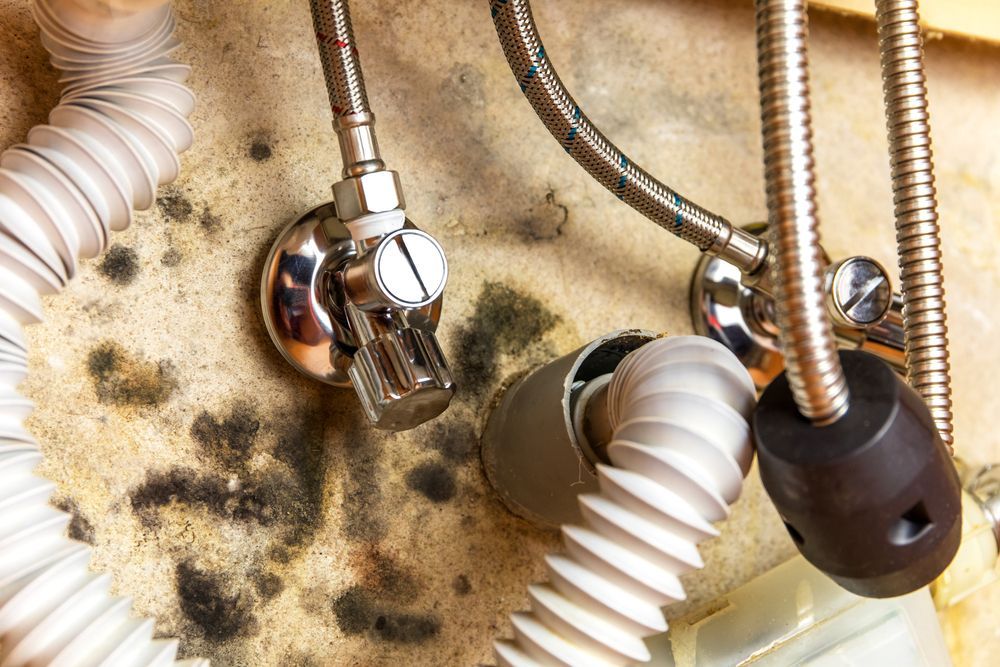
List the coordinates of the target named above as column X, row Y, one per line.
column 114, row 136
column 681, row 447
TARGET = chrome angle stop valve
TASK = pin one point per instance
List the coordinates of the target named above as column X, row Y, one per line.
column 351, row 295
column 351, row 291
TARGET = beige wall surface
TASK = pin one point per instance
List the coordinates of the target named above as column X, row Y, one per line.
column 252, row 511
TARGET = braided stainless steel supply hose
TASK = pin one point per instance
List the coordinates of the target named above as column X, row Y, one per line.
column 345, row 84
column 540, row 83
column 814, row 371
column 917, row 235
column 337, row 52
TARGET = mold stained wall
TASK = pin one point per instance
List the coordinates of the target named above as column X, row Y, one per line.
column 252, row 511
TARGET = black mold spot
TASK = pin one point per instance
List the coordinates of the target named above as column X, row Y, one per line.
column 302, row 660
column 461, row 585
column 280, row 554
column 362, row 495
column 381, row 573
column 79, row 527
column 210, row 222
column 265, row 501
column 455, row 441
column 285, row 494
column 303, row 450
column 268, row 585
column 120, row 265
column 432, row 480
column 357, row 612
column 260, row 150
column 205, row 601
column 171, row 258
column 175, row 205
column 407, row 628
column 228, row 439
column 123, row 380
column 545, row 221
column 505, row 321
column 181, row 485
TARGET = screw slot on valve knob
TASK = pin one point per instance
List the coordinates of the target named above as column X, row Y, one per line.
column 873, row 500
column 407, row 269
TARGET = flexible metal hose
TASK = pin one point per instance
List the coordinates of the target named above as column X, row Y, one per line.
column 540, row 83
column 917, row 236
column 813, row 367
column 345, row 83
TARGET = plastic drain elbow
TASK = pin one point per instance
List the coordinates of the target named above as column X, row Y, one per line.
column 679, row 451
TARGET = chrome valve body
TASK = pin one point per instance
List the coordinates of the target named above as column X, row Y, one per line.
column 730, row 307
column 361, row 314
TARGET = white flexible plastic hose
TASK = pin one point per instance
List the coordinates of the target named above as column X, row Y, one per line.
column 114, row 136
column 681, row 448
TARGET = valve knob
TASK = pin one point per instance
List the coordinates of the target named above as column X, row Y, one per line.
column 859, row 292
column 405, row 270
column 873, row 500
column 402, row 378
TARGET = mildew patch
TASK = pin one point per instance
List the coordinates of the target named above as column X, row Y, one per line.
column 229, row 439
column 284, row 493
column 268, row 585
column 120, row 264
column 461, row 585
column 360, row 611
column 302, row 448
column 505, row 321
column 79, row 527
column 209, row 221
column 171, row 258
column 124, row 380
column 260, row 502
column 261, row 482
column 373, row 606
column 545, row 221
column 260, row 150
column 406, row 628
column 432, row 480
column 174, row 205
column 455, row 440
column 219, row 610
column 380, row 572
column 361, row 494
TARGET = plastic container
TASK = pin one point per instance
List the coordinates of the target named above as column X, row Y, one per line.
column 796, row 615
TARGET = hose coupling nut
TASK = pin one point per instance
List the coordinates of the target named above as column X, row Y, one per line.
column 365, row 194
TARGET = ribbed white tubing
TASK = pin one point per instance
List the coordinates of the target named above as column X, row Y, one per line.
column 681, row 448
column 115, row 134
